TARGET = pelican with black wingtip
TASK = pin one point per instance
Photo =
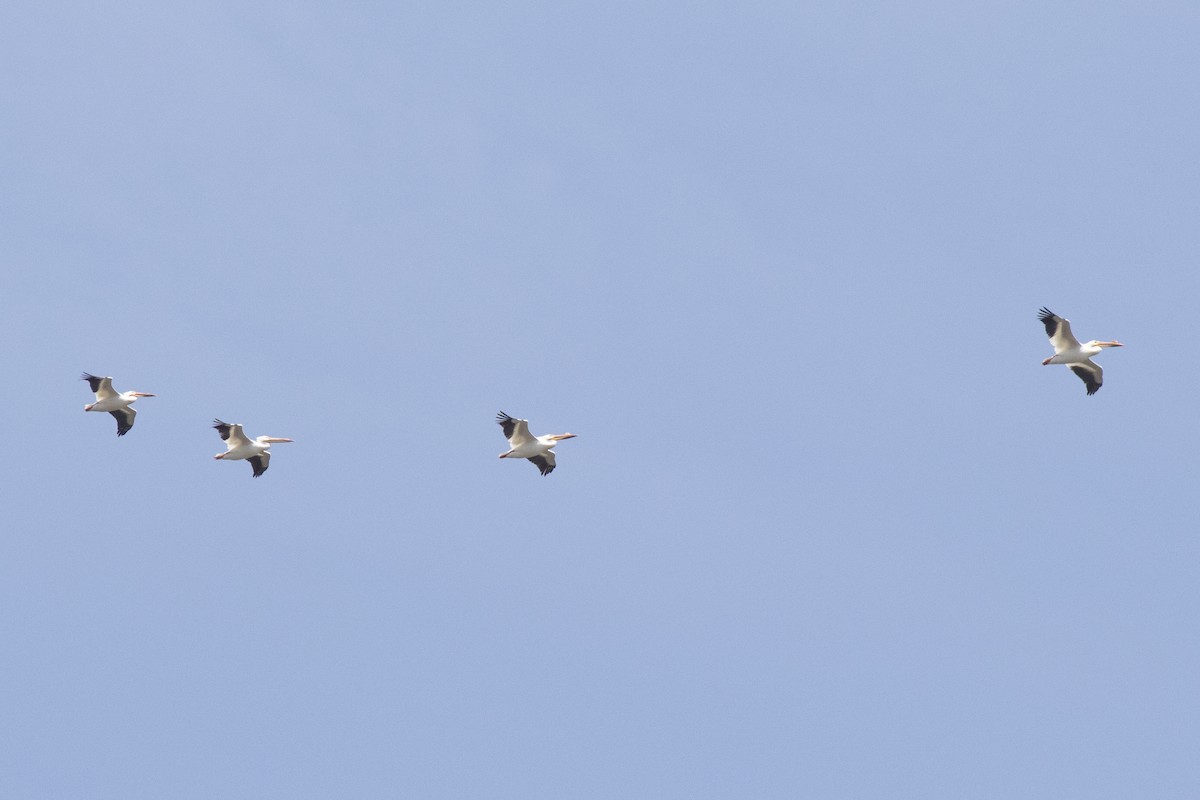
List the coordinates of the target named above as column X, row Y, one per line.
column 108, row 399
column 1068, row 350
column 523, row 444
column 239, row 447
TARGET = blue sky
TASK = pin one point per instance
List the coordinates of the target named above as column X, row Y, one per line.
column 829, row 529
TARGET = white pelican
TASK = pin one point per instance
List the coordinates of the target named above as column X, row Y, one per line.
column 238, row 446
column 523, row 444
column 1068, row 350
column 119, row 404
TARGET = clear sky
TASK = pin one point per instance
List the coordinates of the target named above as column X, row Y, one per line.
column 829, row 529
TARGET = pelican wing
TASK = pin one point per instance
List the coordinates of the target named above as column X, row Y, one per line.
column 231, row 434
column 515, row 430
column 101, row 386
column 1059, row 331
column 545, row 462
column 1091, row 375
column 259, row 463
column 124, row 417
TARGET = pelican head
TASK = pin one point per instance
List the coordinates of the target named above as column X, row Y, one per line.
column 141, row 394
column 272, row 440
column 1096, row 343
column 560, row 436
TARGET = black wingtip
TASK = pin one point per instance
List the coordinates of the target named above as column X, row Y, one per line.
column 1045, row 314
column 1088, row 379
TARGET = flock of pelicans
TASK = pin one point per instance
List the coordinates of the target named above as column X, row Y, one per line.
column 540, row 449
column 240, row 447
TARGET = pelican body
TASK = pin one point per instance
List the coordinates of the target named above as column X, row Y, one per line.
column 523, row 444
column 1068, row 350
column 239, row 447
column 109, row 400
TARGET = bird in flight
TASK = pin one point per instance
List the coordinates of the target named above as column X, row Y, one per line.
column 1068, row 350
column 523, row 444
column 119, row 404
column 240, row 447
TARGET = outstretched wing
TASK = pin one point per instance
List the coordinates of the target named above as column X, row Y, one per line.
column 232, row 435
column 1091, row 375
column 515, row 430
column 544, row 463
column 259, row 463
column 101, row 386
column 124, row 418
column 1059, row 331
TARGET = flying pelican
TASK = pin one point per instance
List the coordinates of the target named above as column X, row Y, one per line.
column 1068, row 350
column 523, row 444
column 238, row 446
column 119, row 404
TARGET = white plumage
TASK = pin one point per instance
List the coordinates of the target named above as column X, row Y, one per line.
column 1068, row 350
column 523, row 444
column 239, row 447
column 108, row 399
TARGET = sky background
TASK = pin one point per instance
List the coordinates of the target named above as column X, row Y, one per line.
column 829, row 530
